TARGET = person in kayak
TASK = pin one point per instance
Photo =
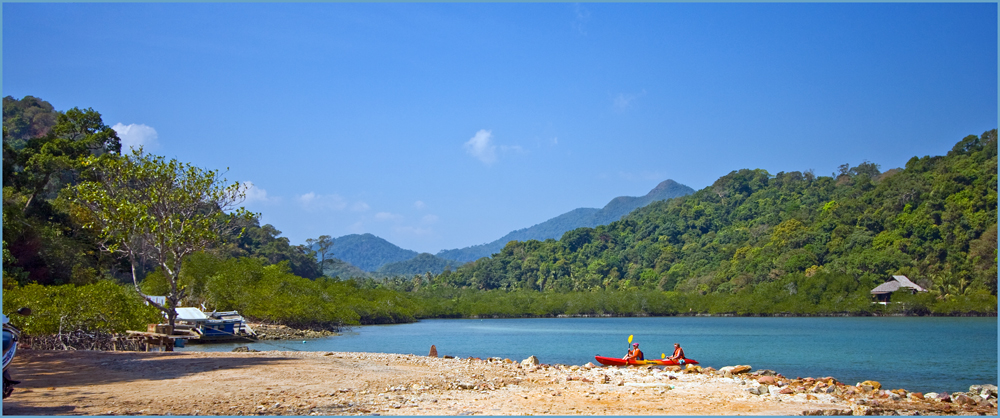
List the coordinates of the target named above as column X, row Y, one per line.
column 678, row 354
column 635, row 353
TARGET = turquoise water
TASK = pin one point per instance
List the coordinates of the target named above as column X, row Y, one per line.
column 917, row 354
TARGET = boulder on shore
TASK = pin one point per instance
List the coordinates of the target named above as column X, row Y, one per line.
column 962, row 399
column 729, row 371
column 983, row 391
column 530, row 361
column 691, row 368
column 870, row 385
column 764, row 372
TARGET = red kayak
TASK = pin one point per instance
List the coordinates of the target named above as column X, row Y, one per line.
column 615, row 361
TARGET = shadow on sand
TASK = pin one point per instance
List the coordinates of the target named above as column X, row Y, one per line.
column 43, row 369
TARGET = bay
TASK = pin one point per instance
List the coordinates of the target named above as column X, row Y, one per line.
column 922, row 354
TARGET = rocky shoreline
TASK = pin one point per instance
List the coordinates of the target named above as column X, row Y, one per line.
column 863, row 398
column 345, row 383
column 270, row 332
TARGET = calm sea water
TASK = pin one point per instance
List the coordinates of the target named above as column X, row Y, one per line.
column 917, row 354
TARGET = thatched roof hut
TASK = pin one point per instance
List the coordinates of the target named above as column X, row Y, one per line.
column 883, row 290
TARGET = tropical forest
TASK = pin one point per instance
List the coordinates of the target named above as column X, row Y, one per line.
column 92, row 231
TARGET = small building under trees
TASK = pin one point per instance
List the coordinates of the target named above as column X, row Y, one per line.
column 884, row 291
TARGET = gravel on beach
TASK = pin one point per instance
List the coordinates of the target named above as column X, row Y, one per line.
column 338, row 383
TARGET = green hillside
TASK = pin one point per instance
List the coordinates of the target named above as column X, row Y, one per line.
column 787, row 239
column 338, row 268
column 369, row 252
column 421, row 264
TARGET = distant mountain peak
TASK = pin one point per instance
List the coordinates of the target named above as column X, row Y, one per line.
column 581, row 217
column 376, row 255
column 369, row 252
column 665, row 185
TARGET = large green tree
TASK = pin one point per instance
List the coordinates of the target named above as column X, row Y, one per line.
column 145, row 207
column 265, row 242
column 324, row 249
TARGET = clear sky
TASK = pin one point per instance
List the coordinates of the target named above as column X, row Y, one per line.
column 439, row 126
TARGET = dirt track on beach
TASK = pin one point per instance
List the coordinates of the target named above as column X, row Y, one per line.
column 325, row 383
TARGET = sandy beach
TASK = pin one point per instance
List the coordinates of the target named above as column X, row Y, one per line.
column 335, row 383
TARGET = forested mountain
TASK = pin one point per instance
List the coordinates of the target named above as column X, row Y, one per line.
column 421, row 264
column 365, row 255
column 577, row 218
column 822, row 241
column 369, row 252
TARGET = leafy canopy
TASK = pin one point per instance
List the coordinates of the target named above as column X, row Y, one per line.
column 148, row 208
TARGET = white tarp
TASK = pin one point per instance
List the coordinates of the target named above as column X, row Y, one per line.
column 191, row 314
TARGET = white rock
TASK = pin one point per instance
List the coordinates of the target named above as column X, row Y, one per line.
column 530, row 361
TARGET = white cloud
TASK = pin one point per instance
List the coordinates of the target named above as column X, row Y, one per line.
column 429, row 219
column 314, row 202
column 360, row 206
column 307, row 198
column 256, row 194
column 136, row 135
column 419, row 204
column 386, row 216
column 481, row 146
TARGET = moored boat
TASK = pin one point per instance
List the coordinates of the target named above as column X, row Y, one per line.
column 213, row 326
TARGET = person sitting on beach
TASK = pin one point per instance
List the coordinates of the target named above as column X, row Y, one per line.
column 678, row 354
column 635, row 353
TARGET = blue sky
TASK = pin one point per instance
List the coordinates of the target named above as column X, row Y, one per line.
column 439, row 126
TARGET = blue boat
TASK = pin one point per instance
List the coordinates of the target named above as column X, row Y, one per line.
column 212, row 327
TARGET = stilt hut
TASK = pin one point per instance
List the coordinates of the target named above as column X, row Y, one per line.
column 884, row 291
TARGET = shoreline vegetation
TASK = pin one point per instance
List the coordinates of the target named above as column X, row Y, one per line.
column 751, row 244
column 352, row 383
column 113, row 308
